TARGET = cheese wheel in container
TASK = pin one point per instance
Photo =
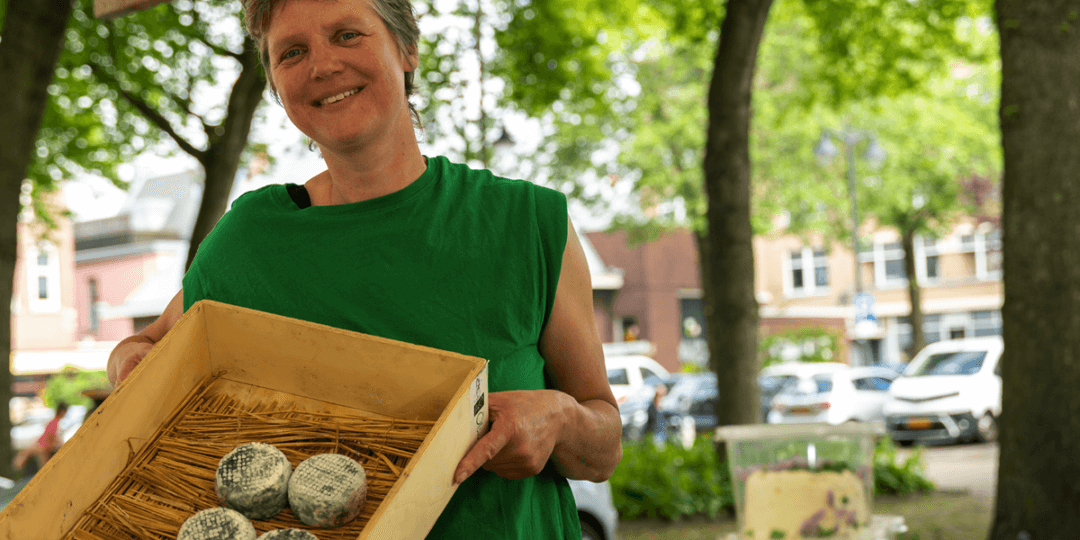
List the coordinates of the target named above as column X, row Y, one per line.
column 253, row 479
column 288, row 534
column 217, row 524
column 327, row 490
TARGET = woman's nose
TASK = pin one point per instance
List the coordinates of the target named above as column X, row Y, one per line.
column 324, row 61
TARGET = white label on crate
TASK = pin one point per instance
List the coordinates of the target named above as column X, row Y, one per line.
column 478, row 397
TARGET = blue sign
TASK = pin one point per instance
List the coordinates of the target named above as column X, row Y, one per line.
column 864, row 308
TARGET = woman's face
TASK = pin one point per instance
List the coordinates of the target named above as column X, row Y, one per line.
column 339, row 73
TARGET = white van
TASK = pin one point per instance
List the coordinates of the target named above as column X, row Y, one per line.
column 950, row 391
column 631, row 374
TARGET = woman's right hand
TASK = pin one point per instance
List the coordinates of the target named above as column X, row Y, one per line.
column 131, row 350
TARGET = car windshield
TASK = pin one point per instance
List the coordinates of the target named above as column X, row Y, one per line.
column 819, row 384
column 689, row 386
column 617, row 376
column 952, row 363
column 773, row 384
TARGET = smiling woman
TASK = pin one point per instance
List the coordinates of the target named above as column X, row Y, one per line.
column 392, row 243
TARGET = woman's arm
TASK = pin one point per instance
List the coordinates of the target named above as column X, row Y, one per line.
column 131, row 350
column 577, row 424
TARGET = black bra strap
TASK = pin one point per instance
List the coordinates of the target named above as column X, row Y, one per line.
column 299, row 195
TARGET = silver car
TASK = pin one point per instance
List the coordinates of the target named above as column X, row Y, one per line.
column 596, row 510
column 851, row 394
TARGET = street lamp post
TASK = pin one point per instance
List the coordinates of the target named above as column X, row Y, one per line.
column 875, row 156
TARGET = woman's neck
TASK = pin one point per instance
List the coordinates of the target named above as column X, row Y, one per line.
column 360, row 176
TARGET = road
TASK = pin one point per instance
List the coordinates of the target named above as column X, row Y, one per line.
column 961, row 467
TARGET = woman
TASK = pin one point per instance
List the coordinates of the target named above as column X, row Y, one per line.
column 48, row 444
column 389, row 242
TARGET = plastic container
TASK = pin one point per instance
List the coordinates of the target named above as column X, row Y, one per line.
column 802, row 480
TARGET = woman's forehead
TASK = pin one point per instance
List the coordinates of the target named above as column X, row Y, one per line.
column 353, row 10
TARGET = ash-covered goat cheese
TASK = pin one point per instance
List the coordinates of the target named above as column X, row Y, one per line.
column 217, row 524
column 288, row 534
column 327, row 490
column 253, row 479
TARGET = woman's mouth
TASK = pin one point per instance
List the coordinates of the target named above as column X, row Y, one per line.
column 336, row 98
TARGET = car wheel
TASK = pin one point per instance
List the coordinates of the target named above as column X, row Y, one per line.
column 987, row 428
column 589, row 533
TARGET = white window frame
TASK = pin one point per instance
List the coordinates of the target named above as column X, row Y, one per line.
column 878, row 255
column 980, row 246
column 809, row 268
column 50, row 272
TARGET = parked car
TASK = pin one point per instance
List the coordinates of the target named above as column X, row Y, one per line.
column 629, row 375
column 690, row 405
column 596, row 510
column 634, row 410
column 950, row 391
column 851, row 394
column 773, row 378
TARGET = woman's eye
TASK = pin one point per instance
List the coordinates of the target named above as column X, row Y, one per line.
column 290, row 53
column 345, row 36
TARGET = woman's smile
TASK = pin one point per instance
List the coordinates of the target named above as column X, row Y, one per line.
column 337, row 97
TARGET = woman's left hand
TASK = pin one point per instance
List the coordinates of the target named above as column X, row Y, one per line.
column 525, row 427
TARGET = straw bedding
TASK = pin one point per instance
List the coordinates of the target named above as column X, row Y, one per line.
column 172, row 477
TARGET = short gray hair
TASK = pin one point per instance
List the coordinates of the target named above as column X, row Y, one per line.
column 397, row 15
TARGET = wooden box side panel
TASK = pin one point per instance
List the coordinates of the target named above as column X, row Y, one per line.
column 86, row 465
column 364, row 372
column 420, row 495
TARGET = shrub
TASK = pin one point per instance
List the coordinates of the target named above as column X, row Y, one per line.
column 895, row 478
column 670, row 481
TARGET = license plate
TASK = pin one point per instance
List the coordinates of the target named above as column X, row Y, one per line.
column 919, row 423
column 799, row 410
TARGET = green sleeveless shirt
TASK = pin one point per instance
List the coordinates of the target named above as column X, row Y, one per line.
column 459, row 260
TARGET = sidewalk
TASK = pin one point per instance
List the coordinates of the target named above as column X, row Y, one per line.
column 7, row 494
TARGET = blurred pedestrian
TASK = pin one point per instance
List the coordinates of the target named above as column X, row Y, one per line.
column 46, row 445
column 657, row 421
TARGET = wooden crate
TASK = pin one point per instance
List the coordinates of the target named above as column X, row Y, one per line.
column 111, row 9
column 316, row 366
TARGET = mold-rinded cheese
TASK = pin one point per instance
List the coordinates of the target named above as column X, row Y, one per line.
column 217, row 524
column 288, row 534
column 253, row 479
column 327, row 490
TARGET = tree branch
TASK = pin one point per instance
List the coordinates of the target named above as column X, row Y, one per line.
column 149, row 113
column 219, row 50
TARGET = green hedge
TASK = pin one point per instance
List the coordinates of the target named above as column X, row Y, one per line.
column 671, row 481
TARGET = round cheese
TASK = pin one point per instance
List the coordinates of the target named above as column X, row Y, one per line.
column 217, row 524
column 327, row 490
column 288, row 534
column 253, row 479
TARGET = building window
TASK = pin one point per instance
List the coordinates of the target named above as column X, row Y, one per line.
column 986, row 323
column 797, row 270
column 43, row 278
column 95, row 315
column 930, row 259
column 931, row 330
column 888, row 260
column 809, row 272
column 983, row 253
column 821, row 269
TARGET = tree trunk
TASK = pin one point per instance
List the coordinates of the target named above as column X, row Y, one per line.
column 731, row 309
column 33, row 37
column 918, row 338
column 222, row 158
column 1038, row 493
